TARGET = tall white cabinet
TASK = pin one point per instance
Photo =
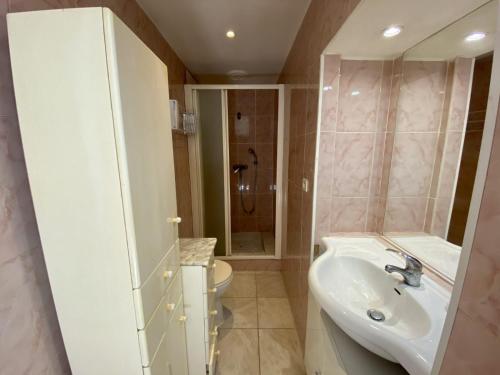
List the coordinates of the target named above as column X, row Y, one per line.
column 93, row 108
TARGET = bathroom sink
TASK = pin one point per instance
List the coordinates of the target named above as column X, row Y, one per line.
column 349, row 280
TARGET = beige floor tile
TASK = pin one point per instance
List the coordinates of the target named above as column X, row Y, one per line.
column 240, row 312
column 274, row 313
column 238, row 352
column 242, row 285
column 270, row 284
column 280, row 352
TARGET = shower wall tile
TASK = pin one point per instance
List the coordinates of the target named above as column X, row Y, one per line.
column 258, row 109
column 30, row 337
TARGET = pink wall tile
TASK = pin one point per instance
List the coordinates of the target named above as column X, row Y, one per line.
column 472, row 349
column 412, row 164
column 348, row 214
column 325, row 165
column 353, row 164
column 360, row 86
column 460, row 93
column 405, row 214
column 421, row 96
column 331, row 81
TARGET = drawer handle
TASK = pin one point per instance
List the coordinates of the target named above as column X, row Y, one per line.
column 182, row 318
column 214, row 332
column 175, row 220
column 217, row 353
column 213, row 265
column 212, row 290
column 168, row 274
column 213, row 312
column 170, row 306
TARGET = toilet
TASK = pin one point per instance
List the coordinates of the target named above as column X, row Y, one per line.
column 223, row 275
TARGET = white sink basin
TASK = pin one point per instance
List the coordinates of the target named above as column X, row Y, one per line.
column 349, row 279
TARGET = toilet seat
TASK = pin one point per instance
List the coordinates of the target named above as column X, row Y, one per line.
column 223, row 273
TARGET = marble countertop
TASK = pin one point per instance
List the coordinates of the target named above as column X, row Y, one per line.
column 196, row 251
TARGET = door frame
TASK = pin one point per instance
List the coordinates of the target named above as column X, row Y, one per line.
column 196, row 171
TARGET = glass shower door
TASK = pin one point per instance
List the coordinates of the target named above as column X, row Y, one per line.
column 210, row 106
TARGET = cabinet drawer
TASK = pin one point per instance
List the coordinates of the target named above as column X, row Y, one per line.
column 160, row 364
column 176, row 348
column 150, row 337
column 148, row 296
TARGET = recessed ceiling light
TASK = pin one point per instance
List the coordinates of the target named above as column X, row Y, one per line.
column 355, row 93
column 392, row 31
column 475, row 36
column 230, row 34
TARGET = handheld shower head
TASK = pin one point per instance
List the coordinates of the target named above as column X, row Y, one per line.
column 239, row 168
column 252, row 151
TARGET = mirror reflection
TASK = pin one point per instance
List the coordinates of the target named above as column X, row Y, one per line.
column 443, row 94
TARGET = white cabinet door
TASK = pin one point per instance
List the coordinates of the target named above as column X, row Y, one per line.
column 139, row 93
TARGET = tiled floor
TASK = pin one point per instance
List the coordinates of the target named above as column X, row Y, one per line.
column 258, row 336
column 253, row 243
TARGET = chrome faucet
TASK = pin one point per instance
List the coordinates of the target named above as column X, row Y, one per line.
column 412, row 273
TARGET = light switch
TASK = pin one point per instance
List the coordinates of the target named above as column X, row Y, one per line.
column 305, row 184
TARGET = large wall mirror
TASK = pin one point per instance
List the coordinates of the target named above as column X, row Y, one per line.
column 443, row 93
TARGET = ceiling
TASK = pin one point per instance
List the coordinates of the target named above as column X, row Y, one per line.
column 450, row 42
column 196, row 30
column 420, row 19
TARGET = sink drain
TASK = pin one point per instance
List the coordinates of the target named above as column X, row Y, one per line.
column 376, row 315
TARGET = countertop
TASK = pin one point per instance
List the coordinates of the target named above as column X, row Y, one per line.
column 196, row 251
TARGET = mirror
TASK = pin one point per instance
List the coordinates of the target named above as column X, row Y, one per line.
column 443, row 93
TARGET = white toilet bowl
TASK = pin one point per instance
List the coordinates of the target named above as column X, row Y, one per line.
column 223, row 276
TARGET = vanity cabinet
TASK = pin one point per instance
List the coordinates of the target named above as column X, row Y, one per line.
column 198, row 267
column 330, row 351
column 92, row 101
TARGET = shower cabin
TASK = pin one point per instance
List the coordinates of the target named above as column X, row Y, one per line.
column 236, row 162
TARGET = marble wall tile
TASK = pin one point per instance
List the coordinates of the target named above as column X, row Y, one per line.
column 412, row 164
column 353, row 164
column 472, row 349
column 421, row 96
column 460, row 93
column 451, row 162
column 331, row 88
column 348, row 214
column 360, row 86
column 440, row 215
column 326, row 154
column 406, row 214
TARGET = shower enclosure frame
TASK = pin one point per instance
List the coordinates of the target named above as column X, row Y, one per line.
column 195, row 165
